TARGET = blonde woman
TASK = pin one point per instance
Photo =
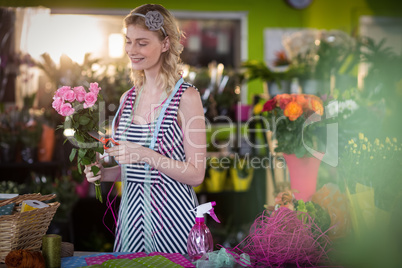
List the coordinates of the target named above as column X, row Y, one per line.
column 160, row 128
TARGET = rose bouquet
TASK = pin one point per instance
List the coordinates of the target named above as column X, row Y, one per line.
column 293, row 120
column 81, row 111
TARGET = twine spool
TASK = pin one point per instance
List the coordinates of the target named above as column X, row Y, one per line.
column 51, row 250
column 67, row 249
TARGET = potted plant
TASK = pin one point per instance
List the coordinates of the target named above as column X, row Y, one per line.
column 316, row 55
column 9, row 133
column 216, row 174
column 277, row 81
column 292, row 119
column 241, row 174
column 32, row 133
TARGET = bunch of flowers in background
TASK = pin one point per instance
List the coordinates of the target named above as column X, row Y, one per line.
column 281, row 59
column 318, row 54
column 375, row 163
column 343, row 108
column 81, row 111
column 290, row 118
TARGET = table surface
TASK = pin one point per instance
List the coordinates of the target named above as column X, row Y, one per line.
column 84, row 253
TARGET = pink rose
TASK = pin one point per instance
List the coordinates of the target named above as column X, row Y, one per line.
column 57, row 103
column 66, row 109
column 94, row 88
column 90, row 99
column 61, row 92
column 69, row 95
column 80, row 93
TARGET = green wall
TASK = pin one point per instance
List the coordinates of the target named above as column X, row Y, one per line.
column 321, row 14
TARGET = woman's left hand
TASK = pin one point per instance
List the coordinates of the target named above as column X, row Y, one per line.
column 127, row 152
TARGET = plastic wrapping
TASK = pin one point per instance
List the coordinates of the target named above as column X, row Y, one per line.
column 335, row 203
column 364, row 214
column 222, row 258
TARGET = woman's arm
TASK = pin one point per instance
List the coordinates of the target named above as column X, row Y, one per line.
column 191, row 171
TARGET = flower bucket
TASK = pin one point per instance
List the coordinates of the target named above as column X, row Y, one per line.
column 275, row 89
column 303, row 175
column 215, row 182
column 82, row 188
column 242, row 112
column 46, row 144
column 241, row 184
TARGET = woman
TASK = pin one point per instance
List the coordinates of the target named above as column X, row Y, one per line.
column 160, row 128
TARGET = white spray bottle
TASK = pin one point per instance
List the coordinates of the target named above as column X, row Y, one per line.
column 200, row 239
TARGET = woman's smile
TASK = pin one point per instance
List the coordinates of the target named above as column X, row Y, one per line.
column 136, row 59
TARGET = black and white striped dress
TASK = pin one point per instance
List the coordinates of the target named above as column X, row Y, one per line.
column 160, row 220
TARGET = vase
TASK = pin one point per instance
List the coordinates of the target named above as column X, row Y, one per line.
column 303, row 175
column 242, row 112
column 216, row 180
column 275, row 89
column 241, row 183
column 46, row 144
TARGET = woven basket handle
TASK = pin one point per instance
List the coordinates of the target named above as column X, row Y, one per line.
column 20, row 198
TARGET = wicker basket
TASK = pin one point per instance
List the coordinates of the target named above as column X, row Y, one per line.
column 24, row 230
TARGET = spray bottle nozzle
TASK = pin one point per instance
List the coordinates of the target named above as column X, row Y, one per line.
column 207, row 208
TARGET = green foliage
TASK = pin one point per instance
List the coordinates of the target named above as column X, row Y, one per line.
column 11, row 187
column 259, row 70
column 321, row 216
column 301, row 206
column 384, row 71
column 20, row 125
column 375, row 163
column 291, row 134
column 318, row 214
column 67, row 72
column 31, row 134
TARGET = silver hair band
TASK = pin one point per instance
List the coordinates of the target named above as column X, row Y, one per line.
column 153, row 20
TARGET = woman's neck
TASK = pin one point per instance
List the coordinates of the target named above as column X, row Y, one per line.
column 152, row 84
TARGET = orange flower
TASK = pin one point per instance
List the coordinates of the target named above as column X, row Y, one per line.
column 293, row 110
column 301, row 100
column 317, row 107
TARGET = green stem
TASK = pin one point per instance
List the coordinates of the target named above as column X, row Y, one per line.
column 98, row 191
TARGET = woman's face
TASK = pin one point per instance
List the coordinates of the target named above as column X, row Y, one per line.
column 144, row 48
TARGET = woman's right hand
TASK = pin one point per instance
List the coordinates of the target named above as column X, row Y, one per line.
column 90, row 175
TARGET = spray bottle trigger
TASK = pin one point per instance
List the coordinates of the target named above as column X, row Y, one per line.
column 213, row 215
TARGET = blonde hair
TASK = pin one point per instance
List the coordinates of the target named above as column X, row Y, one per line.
column 170, row 70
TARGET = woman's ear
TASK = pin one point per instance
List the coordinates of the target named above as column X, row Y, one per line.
column 166, row 44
